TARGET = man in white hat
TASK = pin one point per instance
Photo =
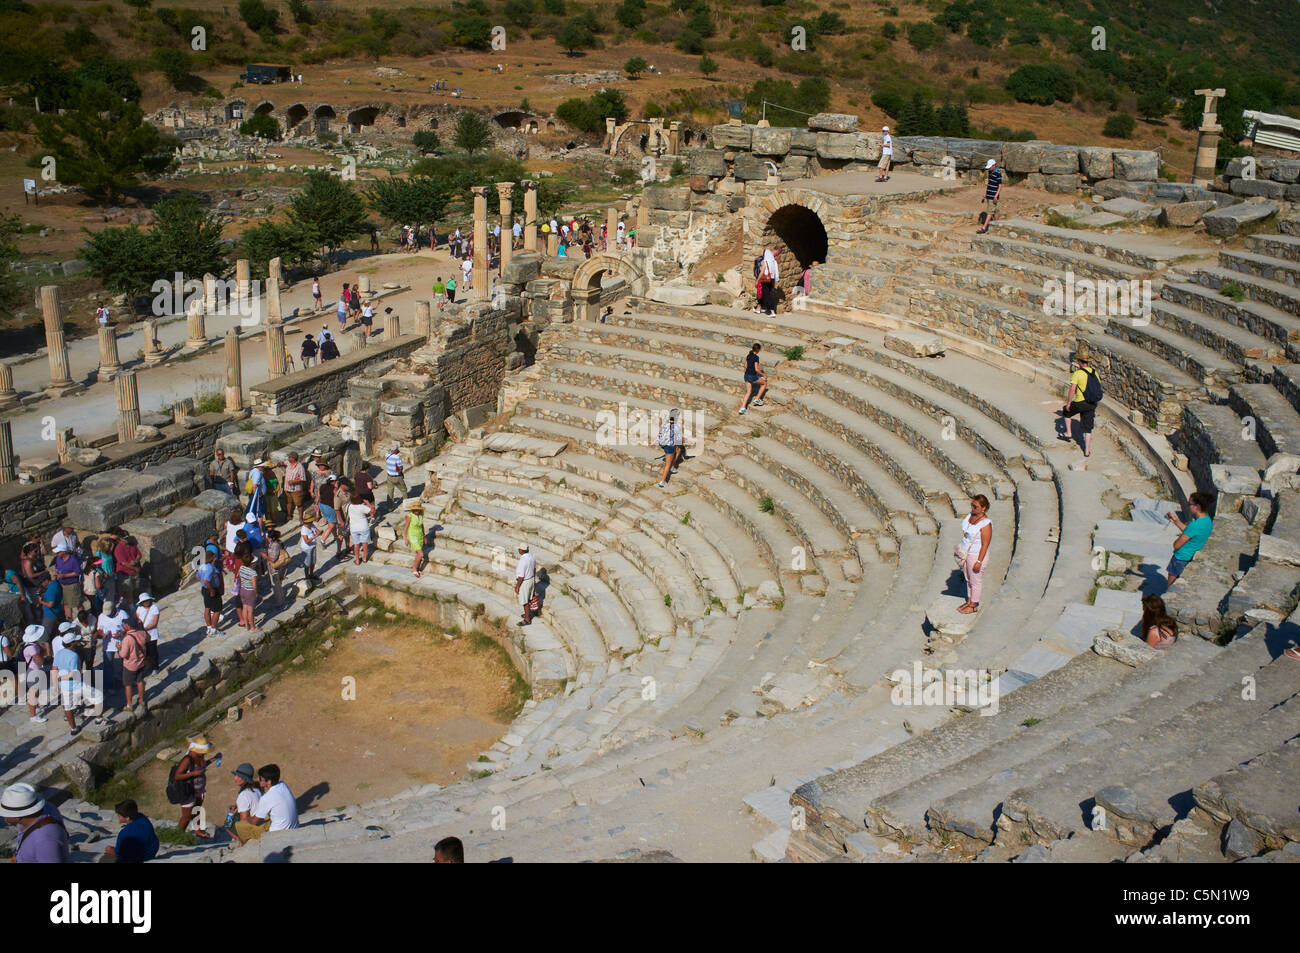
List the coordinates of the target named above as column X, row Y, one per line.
column 992, row 192
column 42, row 838
column 67, row 672
column 257, row 495
column 525, row 581
column 146, row 614
column 886, row 155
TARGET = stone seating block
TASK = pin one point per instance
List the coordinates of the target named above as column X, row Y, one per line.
column 245, row 446
column 195, row 524
column 163, row 547
column 100, row 510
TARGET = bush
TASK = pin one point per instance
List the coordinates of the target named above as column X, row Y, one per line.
column 261, row 125
column 708, row 66
column 1119, row 126
column 1041, row 84
column 472, row 132
column 631, row 13
column 519, row 12
column 173, row 64
column 1153, row 104
column 426, row 141
column 763, row 55
column 257, row 15
column 574, row 36
column 890, row 30
column 923, row 36
column 688, row 41
column 635, row 66
column 812, row 95
column 473, row 33
column 589, row 115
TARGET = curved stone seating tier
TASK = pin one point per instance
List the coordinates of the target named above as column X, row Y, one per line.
column 1245, row 330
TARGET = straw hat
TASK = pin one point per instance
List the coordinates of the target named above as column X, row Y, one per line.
column 309, row 517
column 199, row 744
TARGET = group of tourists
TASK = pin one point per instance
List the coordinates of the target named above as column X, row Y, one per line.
column 263, row 802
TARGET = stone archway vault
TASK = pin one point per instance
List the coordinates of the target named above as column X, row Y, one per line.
column 585, row 289
column 794, row 220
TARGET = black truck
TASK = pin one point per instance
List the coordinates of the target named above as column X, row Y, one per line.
column 265, row 75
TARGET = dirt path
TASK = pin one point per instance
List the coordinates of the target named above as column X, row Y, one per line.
column 424, row 706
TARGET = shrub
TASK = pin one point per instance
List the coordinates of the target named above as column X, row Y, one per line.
column 589, row 115
column 1041, row 84
column 923, row 36
column 708, row 66
column 635, row 66
column 426, row 141
column 257, row 15
column 689, row 41
column 261, row 125
column 1119, row 126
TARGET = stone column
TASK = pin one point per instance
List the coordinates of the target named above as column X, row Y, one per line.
column 273, row 312
column 363, row 285
column 643, row 239
column 182, row 408
column 611, row 229
column 153, row 354
column 552, row 244
column 1207, row 141
column 65, row 440
column 197, row 334
column 392, row 327
column 109, row 362
column 8, row 472
column 674, row 139
column 506, row 192
column 8, row 396
column 482, row 283
column 61, row 383
column 242, row 282
column 210, row 293
column 275, row 361
column 234, row 374
column 273, row 273
column 423, row 318
column 128, row 406
column 530, row 215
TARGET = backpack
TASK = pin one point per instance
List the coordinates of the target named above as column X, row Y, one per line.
column 758, row 266
column 666, row 434
column 1092, row 390
column 179, row 792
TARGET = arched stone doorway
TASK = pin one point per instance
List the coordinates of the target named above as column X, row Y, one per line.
column 264, row 108
column 323, row 115
column 799, row 235
column 363, row 116
column 294, row 116
column 588, row 286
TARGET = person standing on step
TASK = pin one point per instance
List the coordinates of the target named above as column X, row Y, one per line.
column 1194, row 533
column 525, row 582
column 755, row 379
column 308, row 351
column 147, row 614
column 295, row 486
column 396, row 474
column 973, row 551
column 451, row 290
column 1082, row 398
column 992, row 193
column 345, row 299
column 359, row 513
column 886, row 155
column 191, row 774
column 329, row 351
column 439, row 292
column 133, row 650
column 670, row 438
column 367, row 320
column 769, row 272
column 310, row 536
column 223, row 474
column 214, row 592
column 315, row 296
column 414, row 532
column 277, row 565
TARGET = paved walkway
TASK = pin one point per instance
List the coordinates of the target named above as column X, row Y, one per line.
column 93, row 412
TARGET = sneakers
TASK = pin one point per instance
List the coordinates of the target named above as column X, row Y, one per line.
column 674, row 470
column 759, row 402
column 662, row 485
column 741, row 411
column 38, row 719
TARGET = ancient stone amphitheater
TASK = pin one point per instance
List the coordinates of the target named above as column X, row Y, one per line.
column 715, row 672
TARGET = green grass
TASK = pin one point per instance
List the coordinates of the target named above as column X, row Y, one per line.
column 209, row 402
column 794, row 353
column 1232, row 290
column 767, row 505
column 686, row 520
column 668, row 600
column 175, row 836
column 1030, row 722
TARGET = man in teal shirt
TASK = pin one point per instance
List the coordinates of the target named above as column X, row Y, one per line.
column 1194, row 533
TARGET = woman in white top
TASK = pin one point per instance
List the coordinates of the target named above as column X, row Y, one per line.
column 973, row 550
column 359, row 513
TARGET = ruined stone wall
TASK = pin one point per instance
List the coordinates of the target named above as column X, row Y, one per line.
column 471, row 360
column 1277, row 179
column 326, row 384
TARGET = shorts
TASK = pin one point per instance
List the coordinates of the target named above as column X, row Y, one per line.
column 990, row 205
column 667, row 449
column 885, row 159
column 51, row 628
column 295, row 498
column 1176, row 566
column 72, row 594
column 70, row 693
column 248, row 597
column 526, row 591
column 212, row 601
column 1087, row 413
column 132, row 678
column 752, row 378
column 360, row 537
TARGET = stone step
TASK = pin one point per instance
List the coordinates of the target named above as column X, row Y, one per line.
column 563, row 482
column 995, row 744
column 511, row 523
column 1012, row 290
column 1017, row 330
column 1286, row 378
column 577, row 516
column 1160, row 764
column 1275, row 246
column 769, row 535
column 642, row 596
column 1204, row 363
column 476, row 540
column 1142, row 252
column 1142, row 380
column 1215, row 433
column 1256, row 317
column 625, row 359
column 1276, row 294
column 689, row 542
column 1280, row 270
column 625, row 455
column 877, row 479
column 816, row 532
column 596, row 470
column 1084, row 264
column 685, row 347
column 599, row 390
column 673, row 576
column 937, row 440
column 1028, row 275
column 1198, row 600
column 1277, row 422
column 999, row 439
column 1259, row 794
column 1235, row 344
column 703, row 328
column 616, row 625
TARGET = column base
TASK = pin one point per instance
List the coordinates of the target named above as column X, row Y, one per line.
column 106, row 374
column 10, row 401
column 195, row 343
column 64, row 390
